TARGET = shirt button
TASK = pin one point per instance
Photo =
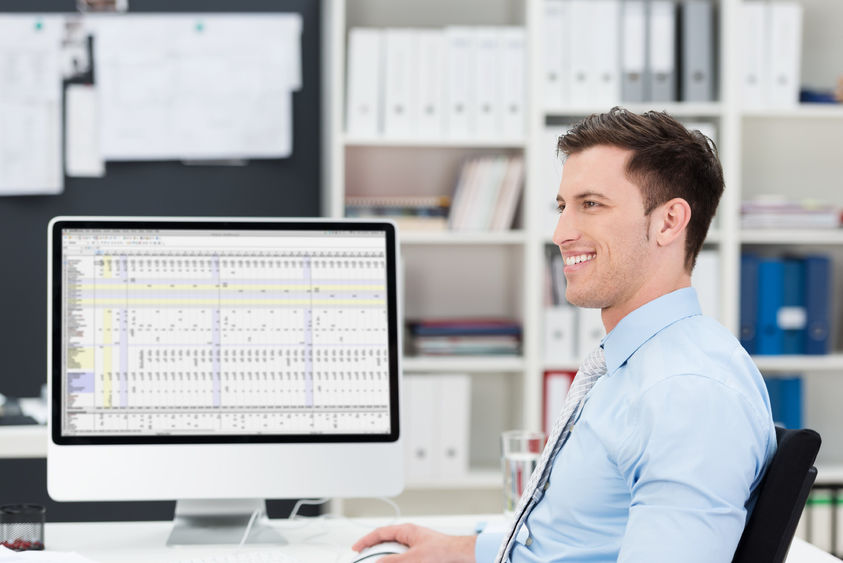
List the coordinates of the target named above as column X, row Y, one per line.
column 529, row 542
column 546, row 485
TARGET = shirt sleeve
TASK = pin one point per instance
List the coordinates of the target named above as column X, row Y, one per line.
column 487, row 546
column 690, row 477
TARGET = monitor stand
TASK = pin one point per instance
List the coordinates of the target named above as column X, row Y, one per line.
column 222, row 522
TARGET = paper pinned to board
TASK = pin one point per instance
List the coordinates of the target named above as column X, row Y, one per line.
column 30, row 105
column 204, row 86
column 82, row 149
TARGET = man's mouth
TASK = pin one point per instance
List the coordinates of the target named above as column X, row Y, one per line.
column 579, row 258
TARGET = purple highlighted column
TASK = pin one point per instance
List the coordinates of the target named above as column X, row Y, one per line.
column 80, row 382
column 308, row 335
column 124, row 336
column 215, row 335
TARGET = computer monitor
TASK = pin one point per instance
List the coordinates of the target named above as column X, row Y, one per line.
column 215, row 359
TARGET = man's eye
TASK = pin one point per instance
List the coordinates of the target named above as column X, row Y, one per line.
column 560, row 208
column 589, row 204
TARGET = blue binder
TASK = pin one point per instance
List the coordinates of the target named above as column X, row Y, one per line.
column 785, row 400
column 770, row 300
column 749, row 302
column 791, row 316
column 817, row 303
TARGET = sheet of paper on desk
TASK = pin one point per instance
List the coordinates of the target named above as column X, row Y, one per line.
column 30, row 105
column 9, row 556
column 206, row 86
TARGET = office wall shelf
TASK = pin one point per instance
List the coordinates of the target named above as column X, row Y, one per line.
column 476, row 479
column 714, row 237
column 785, row 237
column 829, row 473
column 677, row 109
column 23, row 441
column 481, row 143
column 456, row 238
column 800, row 363
column 802, row 111
column 473, row 364
column 784, row 151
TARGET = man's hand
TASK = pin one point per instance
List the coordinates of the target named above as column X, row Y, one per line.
column 426, row 546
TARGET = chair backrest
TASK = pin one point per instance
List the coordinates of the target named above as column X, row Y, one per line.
column 781, row 498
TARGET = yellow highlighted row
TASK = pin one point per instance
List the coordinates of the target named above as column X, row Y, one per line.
column 239, row 302
column 228, row 287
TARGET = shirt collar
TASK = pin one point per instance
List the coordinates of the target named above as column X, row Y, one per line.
column 644, row 322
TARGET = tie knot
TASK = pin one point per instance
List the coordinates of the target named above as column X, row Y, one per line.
column 595, row 363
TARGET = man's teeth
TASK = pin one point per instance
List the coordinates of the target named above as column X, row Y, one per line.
column 571, row 260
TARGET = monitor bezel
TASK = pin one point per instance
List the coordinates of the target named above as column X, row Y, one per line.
column 60, row 224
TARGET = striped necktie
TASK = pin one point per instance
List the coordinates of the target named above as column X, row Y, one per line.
column 590, row 371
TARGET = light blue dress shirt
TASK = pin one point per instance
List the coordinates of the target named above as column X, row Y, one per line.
column 663, row 462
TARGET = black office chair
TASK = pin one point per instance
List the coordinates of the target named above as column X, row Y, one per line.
column 781, row 498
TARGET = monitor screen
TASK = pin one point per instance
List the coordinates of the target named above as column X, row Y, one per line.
column 223, row 333
column 200, row 349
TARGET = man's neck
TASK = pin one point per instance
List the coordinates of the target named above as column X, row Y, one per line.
column 611, row 316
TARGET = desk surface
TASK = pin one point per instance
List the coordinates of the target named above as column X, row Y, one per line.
column 319, row 540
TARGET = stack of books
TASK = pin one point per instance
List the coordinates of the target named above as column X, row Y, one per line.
column 465, row 337
column 413, row 213
column 487, row 194
column 776, row 212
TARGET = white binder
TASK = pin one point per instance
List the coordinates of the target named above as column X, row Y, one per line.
column 453, row 422
column 560, row 335
column 488, row 80
column 461, row 55
column 605, row 32
column 365, row 81
column 697, row 51
column 634, row 52
column 662, row 51
column 554, row 53
column 706, row 280
column 590, row 331
column 513, row 69
column 753, row 59
column 785, row 52
column 581, row 62
column 431, row 83
column 419, row 416
column 400, row 119
column 551, row 175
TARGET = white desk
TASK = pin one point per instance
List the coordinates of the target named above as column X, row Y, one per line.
column 312, row 541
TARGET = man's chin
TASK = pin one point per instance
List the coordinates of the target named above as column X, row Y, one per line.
column 584, row 301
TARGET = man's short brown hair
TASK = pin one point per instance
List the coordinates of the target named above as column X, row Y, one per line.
column 667, row 161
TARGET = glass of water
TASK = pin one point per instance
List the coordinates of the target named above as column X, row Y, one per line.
column 521, row 450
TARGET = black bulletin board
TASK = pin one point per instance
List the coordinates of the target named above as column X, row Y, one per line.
column 280, row 187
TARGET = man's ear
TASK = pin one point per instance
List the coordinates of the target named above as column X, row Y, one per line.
column 673, row 217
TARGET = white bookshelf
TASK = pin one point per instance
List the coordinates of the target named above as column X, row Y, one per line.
column 490, row 143
column 475, row 480
column 784, row 237
column 802, row 111
column 791, row 151
column 474, row 364
column 828, row 364
column 456, row 238
column 676, row 109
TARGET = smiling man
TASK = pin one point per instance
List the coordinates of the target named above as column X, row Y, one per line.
column 657, row 457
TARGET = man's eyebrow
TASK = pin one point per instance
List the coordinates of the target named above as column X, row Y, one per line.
column 584, row 195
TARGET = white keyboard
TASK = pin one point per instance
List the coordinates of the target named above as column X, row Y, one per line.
column 244, row 557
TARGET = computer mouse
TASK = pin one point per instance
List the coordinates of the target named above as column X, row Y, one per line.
column 375, row 552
